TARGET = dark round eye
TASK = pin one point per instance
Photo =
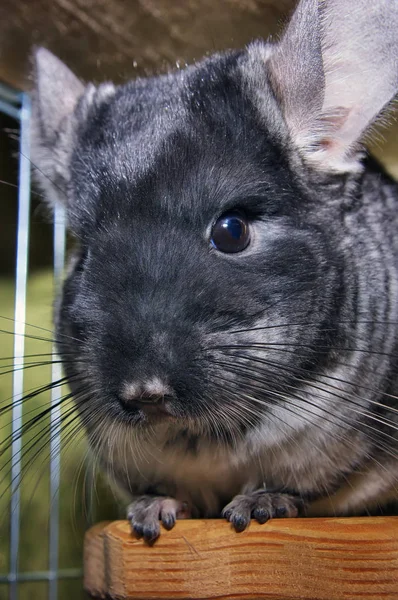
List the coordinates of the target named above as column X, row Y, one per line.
column 231, row 233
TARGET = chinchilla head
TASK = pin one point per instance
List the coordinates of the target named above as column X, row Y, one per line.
column 211, row 282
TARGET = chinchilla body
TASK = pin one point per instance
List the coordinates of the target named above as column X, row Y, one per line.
column 229, row 319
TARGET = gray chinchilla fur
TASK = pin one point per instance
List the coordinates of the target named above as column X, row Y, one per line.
column 229, row 319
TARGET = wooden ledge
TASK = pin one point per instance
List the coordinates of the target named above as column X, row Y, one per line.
column 285, row 559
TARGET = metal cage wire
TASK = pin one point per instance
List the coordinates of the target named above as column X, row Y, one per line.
column 18, row 106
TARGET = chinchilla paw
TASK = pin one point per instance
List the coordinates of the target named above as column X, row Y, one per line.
column 262, row 506
column 146, row 513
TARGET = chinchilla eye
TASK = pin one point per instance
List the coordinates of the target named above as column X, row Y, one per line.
column 231, row 232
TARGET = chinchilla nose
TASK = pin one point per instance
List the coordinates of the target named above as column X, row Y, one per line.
column 146, row 398
column 149, row 395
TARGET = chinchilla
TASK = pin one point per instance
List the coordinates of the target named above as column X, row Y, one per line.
column 229, row 318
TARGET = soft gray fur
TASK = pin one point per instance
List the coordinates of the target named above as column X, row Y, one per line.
column 262, row 382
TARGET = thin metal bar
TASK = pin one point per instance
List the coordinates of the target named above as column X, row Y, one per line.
column 43, row 575
column 19, row 335
column 55, row 429
column 10, row 110
column 10, row 95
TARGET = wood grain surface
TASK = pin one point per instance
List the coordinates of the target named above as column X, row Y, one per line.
column 118, row 39
column 317, row 559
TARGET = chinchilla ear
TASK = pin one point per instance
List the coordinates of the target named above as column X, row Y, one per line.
column 334, row 71
column 55, row 96
column 57, row 91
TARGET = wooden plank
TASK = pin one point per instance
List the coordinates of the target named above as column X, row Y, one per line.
column 286, row 559
column 94, row 560
column 121, row 39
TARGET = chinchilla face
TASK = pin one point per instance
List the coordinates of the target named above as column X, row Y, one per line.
column 193, row 243
column 211, row 281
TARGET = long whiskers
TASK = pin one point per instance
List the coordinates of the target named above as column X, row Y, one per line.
column 313, row 380
column 291, row 407
column 322, row 415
